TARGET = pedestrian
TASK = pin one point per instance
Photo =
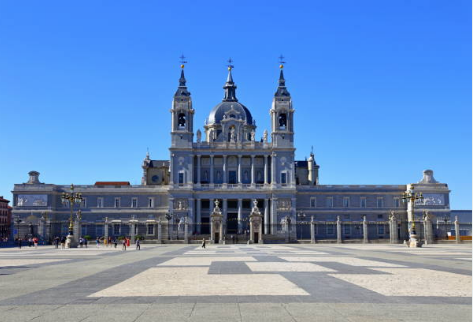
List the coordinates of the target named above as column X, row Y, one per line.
column 138, row 247
column 109, row 241
column 63, row 242
column 81, row 242
column 97, row 241
column 35, row 242
column 124, row 244
column 115, row 242
column 56, row 242
column 231, row 237
column 19, row 243
column 203, row 242
column 30, row 242
column 85, row 242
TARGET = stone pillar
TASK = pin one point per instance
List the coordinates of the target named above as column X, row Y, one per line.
column 266, row 216
column 190, row 210
column 365, row 230
column 160, row 232
column 274, row 215
column 224, row 222
column 265, row 170
column 393, row 235
column 251, row 232
column 212, row 231
column 132, row 230
column 252, row 170
column 428, row 231
column 105, row 229
column 221, row 241
column 186, row 229
column 198, row 170
column 171, row 169
column 312, row 230
column 339, row 230
column 224, row 169
column 457, row 231
column 240, row 216
column 239, row 169
column 273, row 169
column 211, row 171
column 198, row 216
column 76, row 230
column 286, row 229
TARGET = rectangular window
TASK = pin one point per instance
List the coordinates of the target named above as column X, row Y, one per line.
column 84, row 203
column 380, row 229
column 346, row 202
column 397, row 202
column 313, row 202
column 329, row 202
column 181, row 178
column 380, row 202
column 380, row 217
column 99, row 202
column 363, row 202
column 150, row 229
column 330, row 229
column 83, row 230
column 150, row 202
column 346, row 229
column 116, row 229
column 134, row 203
column 283, row 178
column 117, row 202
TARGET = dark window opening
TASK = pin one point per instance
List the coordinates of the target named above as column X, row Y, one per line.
column 282, row 121
column 181, row 120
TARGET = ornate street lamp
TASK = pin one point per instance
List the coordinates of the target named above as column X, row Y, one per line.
column 445, row 220
column 301, row 217
column 72, row 198
column 411, row 196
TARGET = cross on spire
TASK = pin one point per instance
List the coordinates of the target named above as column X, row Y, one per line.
column 230, row 66
column 281, row 61
column 182, row 60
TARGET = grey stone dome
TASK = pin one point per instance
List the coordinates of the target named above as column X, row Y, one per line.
column 227, row 109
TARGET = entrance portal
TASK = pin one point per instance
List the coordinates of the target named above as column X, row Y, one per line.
column 232, row 223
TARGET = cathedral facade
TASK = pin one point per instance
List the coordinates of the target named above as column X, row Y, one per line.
column 225, row 166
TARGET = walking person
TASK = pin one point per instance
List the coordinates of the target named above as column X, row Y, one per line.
column 203, row 242
column 115, row 242
column 85, row 242
column 35, row 242
column 97, row 241
column 56, row 242
column 124, row 244
column 63, row 242
column 138, row 247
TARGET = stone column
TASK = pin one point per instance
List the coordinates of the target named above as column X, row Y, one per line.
column 224, row 169
column 240, row 215
column 312, row 230
column 224, row 221
column 265, row 169
column 211, row 170
column 274, row 215
column 76, row 230
column 252, row 170
column 286, row 230
column 198, row 216
column 212, row 231
column 171, row 169
column 273, row 169
column 260, row 232
column 251, row 232
column 198, row 170
column 266, row 216
column 221, row 241
column 160, row 232
column 457, row 231
column 365, row 230
column 393, row 236
column 190, row 210
column 339, row 230
column 239, row 169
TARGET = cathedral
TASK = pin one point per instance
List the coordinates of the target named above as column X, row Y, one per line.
column 224, row 168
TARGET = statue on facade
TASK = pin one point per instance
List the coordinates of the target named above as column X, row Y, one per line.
column 199, row 136
column 232, row 135
column 392, row 215
column 253, row 136
column 265, row 136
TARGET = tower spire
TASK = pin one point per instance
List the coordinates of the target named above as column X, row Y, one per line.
column 182, row 89
column 230, row 87
column 282, row 90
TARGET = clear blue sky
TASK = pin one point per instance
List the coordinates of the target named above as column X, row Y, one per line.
column 382, row 89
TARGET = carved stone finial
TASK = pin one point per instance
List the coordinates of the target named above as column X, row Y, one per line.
column 34, row 177
column 428, row 177
column 199, row 136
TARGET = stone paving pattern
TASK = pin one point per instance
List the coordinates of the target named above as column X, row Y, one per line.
column 237, row 283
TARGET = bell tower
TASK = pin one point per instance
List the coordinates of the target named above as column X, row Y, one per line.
column 182, row 131
column 282, row 115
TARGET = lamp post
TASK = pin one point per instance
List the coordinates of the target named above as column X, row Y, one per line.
column 72, row 198
column 170, row 216
column 411, row 196
column 301, row 217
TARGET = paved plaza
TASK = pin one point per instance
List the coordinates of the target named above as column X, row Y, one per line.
column 322, row 282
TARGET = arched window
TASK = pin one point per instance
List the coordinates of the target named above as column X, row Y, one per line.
column 282, row 121
column 181, row 120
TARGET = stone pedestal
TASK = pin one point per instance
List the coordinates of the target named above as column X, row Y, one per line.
column 132, row 223
column 393, row 234
column 186, row 229
column 160, row 232
column 256, row 224
column 428, row 231
column 457, row 231
column 339, row 230
column 312, row 230
column 70, row 242
column 365, row 231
